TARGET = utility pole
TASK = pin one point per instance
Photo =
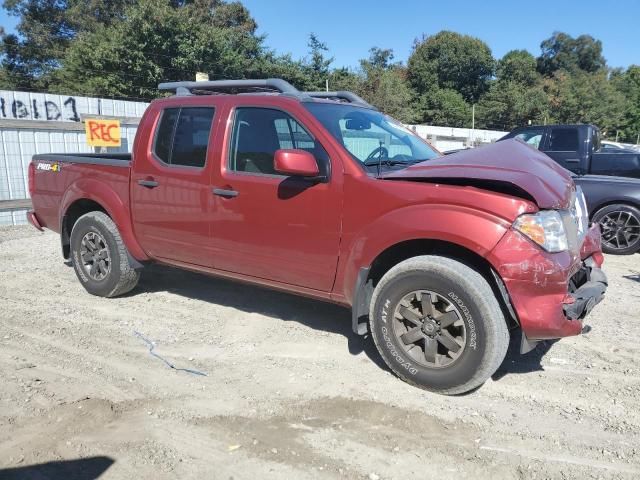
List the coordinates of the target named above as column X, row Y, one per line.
column 473, row 124
column 617, row 132
column 638, row 139
column 326, row 84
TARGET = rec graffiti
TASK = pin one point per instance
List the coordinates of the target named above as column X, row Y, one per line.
column 39, row 109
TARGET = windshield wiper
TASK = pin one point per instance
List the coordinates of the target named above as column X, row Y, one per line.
column 386, row 161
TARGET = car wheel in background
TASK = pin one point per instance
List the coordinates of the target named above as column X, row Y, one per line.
column 620, row 228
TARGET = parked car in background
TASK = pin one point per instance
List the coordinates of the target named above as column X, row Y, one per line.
column 607, row 146
column 320, row 194
column 578, row 149
column 610, row 181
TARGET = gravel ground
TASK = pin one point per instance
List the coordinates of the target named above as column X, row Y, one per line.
column 289, row 391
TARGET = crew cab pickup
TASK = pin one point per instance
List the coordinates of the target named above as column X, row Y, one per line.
column 609, row 179
column 320, row 194
column 578, row 148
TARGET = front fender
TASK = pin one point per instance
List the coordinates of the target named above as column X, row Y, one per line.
column 114, row 204
column 472, row 229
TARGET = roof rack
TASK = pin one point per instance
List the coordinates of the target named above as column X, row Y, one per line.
column 269, row 84
column 186, row 88
column 341, row 95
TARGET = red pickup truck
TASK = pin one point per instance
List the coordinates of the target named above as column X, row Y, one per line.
column 320, row 194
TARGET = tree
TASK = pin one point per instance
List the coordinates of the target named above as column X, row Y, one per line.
column 445, row 107
column 627, row 83
column 563, row 52
column 45, row 30
column 317, row 66
column 380, row 58
column 451, row 61
column 516, row 96
column 518, row 66
column 159, row 40
column 584, row 97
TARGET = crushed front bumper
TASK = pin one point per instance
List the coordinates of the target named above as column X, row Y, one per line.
column 551, row 293
column 588, row 294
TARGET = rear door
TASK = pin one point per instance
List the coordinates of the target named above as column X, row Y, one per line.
column 170, row 185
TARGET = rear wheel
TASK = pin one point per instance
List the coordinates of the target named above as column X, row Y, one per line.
column 100, row 258
column 438, row 324
column 620, row 227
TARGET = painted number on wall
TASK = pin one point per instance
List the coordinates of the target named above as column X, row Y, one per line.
column 102, row 133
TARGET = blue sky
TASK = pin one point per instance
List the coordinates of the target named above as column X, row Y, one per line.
column 351, row 27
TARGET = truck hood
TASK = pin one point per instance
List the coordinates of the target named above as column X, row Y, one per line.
column 509, row 163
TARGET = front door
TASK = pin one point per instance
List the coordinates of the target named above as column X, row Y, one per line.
column 268, row 225
column 170, row 187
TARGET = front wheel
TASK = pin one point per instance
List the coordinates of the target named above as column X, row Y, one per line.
column 100, row 258
column 438, row 325
column 620, row 228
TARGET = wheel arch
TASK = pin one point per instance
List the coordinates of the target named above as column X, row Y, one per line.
column 629, row 202
column 368, row 277
column 91, row 195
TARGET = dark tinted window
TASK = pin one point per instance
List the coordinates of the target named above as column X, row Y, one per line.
column 164, row 134
column 259, row 132
column 183, row 136
column 564, row 140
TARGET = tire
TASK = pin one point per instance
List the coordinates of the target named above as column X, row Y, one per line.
column 461, row 294
column 113, row 275
column 620, row 228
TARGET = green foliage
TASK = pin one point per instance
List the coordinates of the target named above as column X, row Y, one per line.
column 585, row 98
column 449, row 60
column 444, row 106
column 516, row 96
column 628, row 85
column 518, row 66
column 563, row 52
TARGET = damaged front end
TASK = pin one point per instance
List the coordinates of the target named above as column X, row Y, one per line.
column 551, row 292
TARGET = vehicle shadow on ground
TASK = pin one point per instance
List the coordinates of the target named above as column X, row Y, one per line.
column 82, row 469
column 635, row 277
column 515, row 362
column 252, row 299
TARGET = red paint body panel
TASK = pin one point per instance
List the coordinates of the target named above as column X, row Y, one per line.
column 313, row 238
column 295, row 162
column 509, row 161
column 537, row 282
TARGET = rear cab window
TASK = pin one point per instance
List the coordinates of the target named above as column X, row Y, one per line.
column 563, row 140
column 182, row 136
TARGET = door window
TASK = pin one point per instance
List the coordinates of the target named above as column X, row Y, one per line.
column 563, row 140
column 182, row 136
column 531, row 137
column 259, row 132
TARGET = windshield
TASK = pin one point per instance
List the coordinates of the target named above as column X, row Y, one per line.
column 372, row 138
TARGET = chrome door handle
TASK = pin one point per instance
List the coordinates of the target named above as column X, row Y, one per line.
column 221, row 192
column 148, row 183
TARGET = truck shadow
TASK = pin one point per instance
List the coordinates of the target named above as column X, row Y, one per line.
column 81, row 469
column 515, row 362
column 311, row 313
column 287, row 307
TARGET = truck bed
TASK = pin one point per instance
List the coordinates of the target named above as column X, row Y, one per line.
column 113, row 159
column 57, row 175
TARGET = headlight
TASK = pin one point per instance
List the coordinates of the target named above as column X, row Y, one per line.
column 545, row 228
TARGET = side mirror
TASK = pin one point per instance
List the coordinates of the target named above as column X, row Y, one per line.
column 295, row 162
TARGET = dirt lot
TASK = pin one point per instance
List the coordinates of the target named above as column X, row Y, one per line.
column 289, row 391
